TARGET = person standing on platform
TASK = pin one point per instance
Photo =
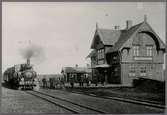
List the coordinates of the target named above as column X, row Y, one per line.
column 72, row 81
column 82, row 80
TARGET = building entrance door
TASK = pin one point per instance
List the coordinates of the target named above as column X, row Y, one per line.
column 114, row 75
column 103, row 78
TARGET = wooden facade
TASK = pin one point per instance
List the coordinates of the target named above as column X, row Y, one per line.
column 76, row 73
column 124, row 55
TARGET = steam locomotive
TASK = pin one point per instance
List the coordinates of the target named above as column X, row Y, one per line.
column 21, row 76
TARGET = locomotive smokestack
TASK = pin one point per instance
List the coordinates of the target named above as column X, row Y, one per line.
column 28, row 61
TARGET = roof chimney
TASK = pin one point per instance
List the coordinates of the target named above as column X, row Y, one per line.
column 116, row 27
column 28, row 61
column 145, row 18
column 97, row 25
column 128, row 24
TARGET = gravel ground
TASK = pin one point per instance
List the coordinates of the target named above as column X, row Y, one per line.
column 15, row 101
column 110, row 106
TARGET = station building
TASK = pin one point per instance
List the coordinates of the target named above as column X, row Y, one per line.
column 76, row 73
column 122, row 55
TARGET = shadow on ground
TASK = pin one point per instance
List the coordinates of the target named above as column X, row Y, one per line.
column 9, row 86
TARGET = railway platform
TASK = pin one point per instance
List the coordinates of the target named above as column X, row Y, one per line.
column 76, row 85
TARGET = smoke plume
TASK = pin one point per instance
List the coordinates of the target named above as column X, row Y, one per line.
column 33, row 52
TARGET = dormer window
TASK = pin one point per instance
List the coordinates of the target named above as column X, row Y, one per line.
column 100, row 53
column 100, row 56
column 136, row 50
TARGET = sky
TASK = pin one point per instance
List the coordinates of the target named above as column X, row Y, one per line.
column 63, row 32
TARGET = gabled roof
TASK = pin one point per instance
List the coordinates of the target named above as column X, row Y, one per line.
column 125, row 35
column 92, row 53
column 107, row 36
column 118, row 38
column 161, row 43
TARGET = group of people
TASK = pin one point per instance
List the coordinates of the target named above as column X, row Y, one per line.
column 81, row 80
column 53, row 83
column 98, row 79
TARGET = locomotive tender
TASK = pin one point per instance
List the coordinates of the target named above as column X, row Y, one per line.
column 20, row 76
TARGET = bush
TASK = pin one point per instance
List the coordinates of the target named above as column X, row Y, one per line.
column 149, row 85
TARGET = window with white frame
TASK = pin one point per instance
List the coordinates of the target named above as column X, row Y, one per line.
column 132, row 70
column 149, row 50
column 143, row 71
column 100, row 53
column 136, row 50
column 100, row 56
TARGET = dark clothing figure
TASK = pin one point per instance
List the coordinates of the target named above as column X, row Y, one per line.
column 62, row 83
column 72, row 82
column 79, row 80
column 95, row 80
column 82, row 80
column 87, row 80
column 51, row 83
column 72, row 85
column 54, row 82
column 44, row 83
column 102, row 79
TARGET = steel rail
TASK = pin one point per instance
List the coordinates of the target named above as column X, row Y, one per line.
column 62, row 106
column 135, row 101
column 65, row 107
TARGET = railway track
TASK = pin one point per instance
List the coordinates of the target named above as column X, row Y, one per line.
column 66, row 104
column 135, row 101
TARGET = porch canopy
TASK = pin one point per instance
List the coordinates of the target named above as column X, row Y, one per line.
column 101, row 66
